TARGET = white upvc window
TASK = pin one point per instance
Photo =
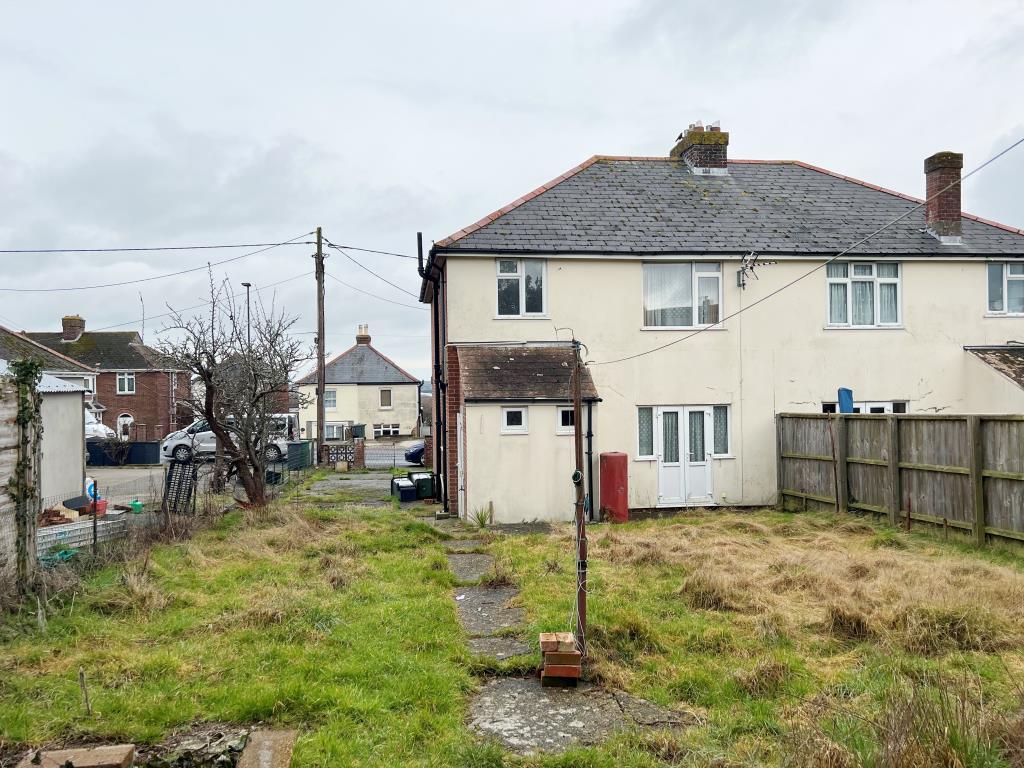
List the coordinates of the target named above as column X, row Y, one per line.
column 645, row 432
column 126, row 383
column 682, row 294
column 720, row 430
column 515, row 420
column 521, row 288
column 334, row 431
column 330, row 398
column 1006, row 288
column 385, row 399
column 863, row 294
column 385, row 430
column 565, row 423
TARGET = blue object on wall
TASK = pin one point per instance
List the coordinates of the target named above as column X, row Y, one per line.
column 845, row 400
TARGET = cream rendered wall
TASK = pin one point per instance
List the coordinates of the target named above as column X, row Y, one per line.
column 404, row 410
column 526, row 477
column 777, row 357
column 63, row 447
column 346, row 406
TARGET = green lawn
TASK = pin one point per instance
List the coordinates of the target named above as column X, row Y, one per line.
column 783, row 635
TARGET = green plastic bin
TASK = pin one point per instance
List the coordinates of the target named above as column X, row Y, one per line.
column 424, row 482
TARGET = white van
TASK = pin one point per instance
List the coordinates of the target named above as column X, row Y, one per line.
column 198, row 440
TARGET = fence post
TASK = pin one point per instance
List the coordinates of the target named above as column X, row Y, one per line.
column 781, row 500
column 895, row 492
column 842, row 484
column 976, row 450
column 95, row 529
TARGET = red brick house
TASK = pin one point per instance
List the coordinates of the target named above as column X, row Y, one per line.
column 137, row 393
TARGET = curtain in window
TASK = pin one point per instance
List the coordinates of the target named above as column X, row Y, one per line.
column 668, row 294
column 645, row 431
column 697, row 436
column 721, row 427
column 887, row 309
column 670, row 436
column 995, row 287
column 863, row 302
column 837, row 312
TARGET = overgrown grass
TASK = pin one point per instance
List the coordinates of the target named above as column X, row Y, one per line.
column 745, row 620
column 790, row 639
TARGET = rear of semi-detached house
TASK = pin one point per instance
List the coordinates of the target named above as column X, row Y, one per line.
column 641, row 259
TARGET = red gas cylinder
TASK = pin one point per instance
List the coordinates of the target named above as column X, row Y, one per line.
column 615, row 487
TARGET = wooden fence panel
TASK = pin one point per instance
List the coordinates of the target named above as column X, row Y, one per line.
column 966, row 472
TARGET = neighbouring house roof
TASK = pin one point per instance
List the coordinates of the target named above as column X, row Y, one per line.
column 644, row 205
column 362, row 364
column 16, row 346
column 47, row 384
column 508, row 373
column 1007, row 359
column 108, row 350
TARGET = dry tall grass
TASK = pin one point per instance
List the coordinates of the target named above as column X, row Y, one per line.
column 833, row 577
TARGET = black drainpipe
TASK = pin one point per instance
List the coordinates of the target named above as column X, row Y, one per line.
column 440, row 387
column 590, row 456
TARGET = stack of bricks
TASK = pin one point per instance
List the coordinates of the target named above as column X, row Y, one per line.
column 562, row 660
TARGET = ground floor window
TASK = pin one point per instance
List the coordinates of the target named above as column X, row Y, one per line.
column 385, row 430
column 868, row 406
column 565, row 420
column 334, row 431
column 514, row 421
column 670, row 426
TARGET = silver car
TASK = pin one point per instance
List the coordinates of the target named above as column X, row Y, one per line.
column 197, row 440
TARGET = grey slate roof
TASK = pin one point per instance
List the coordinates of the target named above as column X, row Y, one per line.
column 646, row 205
column 14, row 346
column 519, row 372
column 1007, row 359
column 362, row 364
column 110, row 350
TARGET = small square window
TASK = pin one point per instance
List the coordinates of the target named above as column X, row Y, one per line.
column 565, row 420
column 514, row 421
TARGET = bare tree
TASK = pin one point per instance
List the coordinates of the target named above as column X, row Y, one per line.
column 242, row 371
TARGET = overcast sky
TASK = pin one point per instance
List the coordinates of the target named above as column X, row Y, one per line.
column 137, row 124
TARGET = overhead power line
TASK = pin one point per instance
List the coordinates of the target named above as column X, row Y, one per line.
column 154, row 248
column 810, row 272
column 367, row 269
column 200, row 305
column 154, row 277
column 375, row 296
column 382, row 253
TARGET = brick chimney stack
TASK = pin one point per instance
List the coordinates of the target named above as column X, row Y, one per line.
column 363, row 334
column 704, row 150
column 73, row 327
column 943, row 212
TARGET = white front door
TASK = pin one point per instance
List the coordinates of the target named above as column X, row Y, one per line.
column 682, row 436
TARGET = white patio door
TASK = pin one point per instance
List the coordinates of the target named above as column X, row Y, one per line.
column 684, row 455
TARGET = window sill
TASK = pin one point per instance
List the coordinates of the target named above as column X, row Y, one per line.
column 513, row 434
column 1005, row 315
column 646, row 458
column 521, row 317
column 863, row 327
column 715, row 327
column 716, row 457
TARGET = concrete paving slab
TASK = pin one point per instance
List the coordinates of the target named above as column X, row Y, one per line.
column 528, row 718
column 354, row 481
column 268, row 749
column 499, row 648
column 470, row 567
column 113, row 756
column 485, row 611
column 463, row 545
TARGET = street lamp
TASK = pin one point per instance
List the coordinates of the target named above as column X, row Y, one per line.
column 248, row 325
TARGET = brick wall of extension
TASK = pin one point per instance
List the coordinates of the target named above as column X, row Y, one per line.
column 153, row 407
column 453, row 406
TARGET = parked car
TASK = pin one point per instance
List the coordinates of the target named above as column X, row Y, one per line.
column 414, row 453
column 198, row 440
column 96, row 429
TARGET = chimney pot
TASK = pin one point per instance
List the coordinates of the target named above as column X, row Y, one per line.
column 363, row 334
column 703, row 149
column 942, row 191
column 73, row 326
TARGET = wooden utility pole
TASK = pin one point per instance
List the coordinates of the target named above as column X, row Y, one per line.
column 581, row 517
column 319, row 345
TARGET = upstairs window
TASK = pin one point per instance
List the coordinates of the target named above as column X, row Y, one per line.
column 521, row 288
column 863, row 295
column 385, row 398
column 1006, row 289
column 126, row 383
column 330, row 398
column 682, row 295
